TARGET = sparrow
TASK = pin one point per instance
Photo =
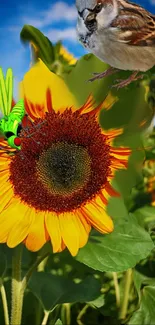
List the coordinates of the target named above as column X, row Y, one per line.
column 118, row 32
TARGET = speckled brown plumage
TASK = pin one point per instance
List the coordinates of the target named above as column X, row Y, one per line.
column 138, row 21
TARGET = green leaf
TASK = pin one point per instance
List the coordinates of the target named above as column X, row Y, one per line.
column 118, row 251
column 53, row 290
column 42, row 47
column 147, row 214
column 117, row 208
column 27, row 256
column 130, row 111
column 99, row 302
column 141, row 279
column 139, row 200
column 146, row 313
column 125, row 180
column 143, row 273
column 45, row 51
column 77, row 79
column 87, row 290
column 58, row 322
column 57, row 47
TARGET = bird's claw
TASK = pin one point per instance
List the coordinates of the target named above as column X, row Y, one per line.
column 124, row 83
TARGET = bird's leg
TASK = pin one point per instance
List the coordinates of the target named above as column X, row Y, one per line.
column 133, row 77
column 103, row 74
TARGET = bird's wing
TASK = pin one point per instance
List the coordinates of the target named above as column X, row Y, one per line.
column 136, row 26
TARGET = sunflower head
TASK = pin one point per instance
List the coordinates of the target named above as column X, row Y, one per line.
column 60, row 180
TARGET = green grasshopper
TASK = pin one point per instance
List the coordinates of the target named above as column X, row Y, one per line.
column 10, row 123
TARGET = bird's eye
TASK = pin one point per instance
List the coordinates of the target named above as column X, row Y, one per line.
column 98, row 7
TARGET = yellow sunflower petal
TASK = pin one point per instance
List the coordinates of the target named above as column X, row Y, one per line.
column 21, row 228
column 83, row 234
column 4, row 175
column 53, row 228
column 5, row 199
column 112, row 133
column 6, row 192
column 4, row 188
column 4, row 171
column 4, row 161
column 111, row 191
column 83, row 220
column 8, row 218
column 36, row 82
column 118, row 163
column 70, row 232
column 37, row 234
column 102, row 198
column 63, row 246
column 98, row 217
column 5, row 184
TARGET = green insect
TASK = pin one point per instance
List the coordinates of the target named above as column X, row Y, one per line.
column 10, row 123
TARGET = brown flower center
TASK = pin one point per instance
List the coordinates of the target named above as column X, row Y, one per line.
column 64, row 168
column 63, row 163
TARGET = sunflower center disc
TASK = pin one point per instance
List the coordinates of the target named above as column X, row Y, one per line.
column 63, row 164
column 64, row 168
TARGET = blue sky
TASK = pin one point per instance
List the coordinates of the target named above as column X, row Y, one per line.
column 56, row 19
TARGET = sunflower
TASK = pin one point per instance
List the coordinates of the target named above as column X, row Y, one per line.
column 57, row 186
column 67, row 56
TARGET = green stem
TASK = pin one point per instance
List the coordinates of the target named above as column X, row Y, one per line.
column 124, row 307
column 42, row 264
column 32, row 268
column 5, row 305
column 81, row 314
column 19, row 284
column 117, row 290
column 46, row 316
column 17, row 290
column 68, row 313
column 40, row 268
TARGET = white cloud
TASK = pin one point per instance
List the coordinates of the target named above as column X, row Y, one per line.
column 60, row 11
column 57, row 22
column 152, row 2
column 66, row 34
